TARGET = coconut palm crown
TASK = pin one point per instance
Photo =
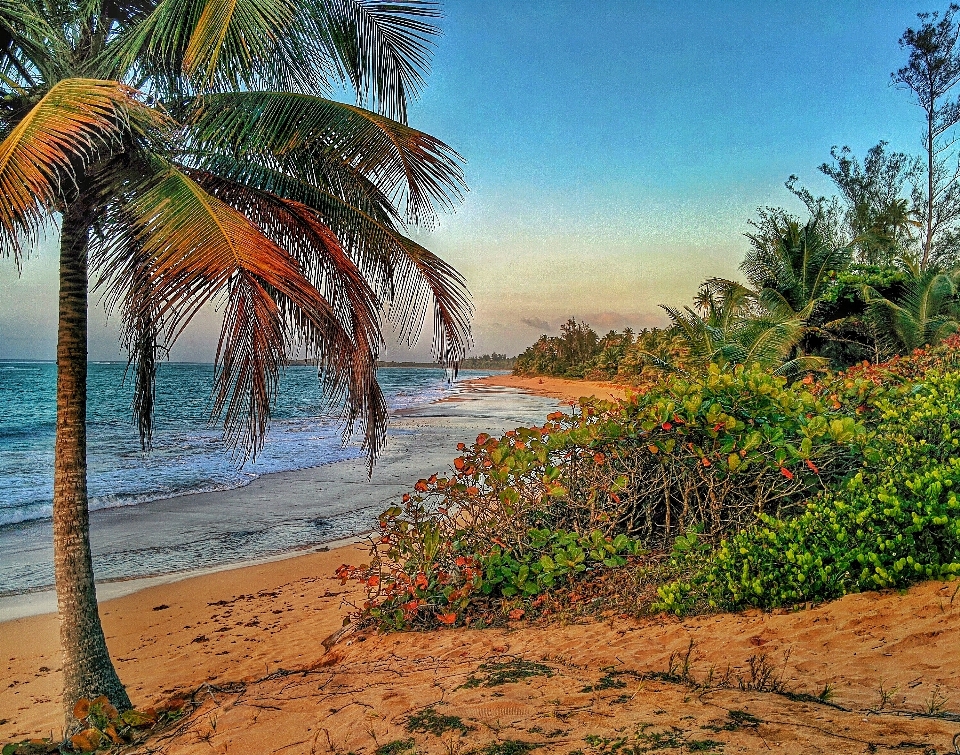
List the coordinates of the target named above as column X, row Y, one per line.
column 194, row 153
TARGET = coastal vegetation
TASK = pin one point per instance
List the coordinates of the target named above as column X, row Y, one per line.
column 865, row 274
column 192, row 156
column 731, row 489
column 791, row 438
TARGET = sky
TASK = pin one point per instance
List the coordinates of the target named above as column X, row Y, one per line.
column 614, row 153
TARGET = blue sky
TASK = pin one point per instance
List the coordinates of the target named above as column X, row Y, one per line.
column 615, row 151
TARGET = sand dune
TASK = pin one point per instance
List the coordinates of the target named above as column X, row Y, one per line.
column 246, row 644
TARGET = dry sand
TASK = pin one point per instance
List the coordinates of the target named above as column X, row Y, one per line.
column 247, row 645
column 565, row 390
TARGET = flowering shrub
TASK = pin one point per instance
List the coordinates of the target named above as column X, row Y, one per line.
column 895, row 521
column 542, row 505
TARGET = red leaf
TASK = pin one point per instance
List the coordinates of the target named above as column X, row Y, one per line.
column 786, row 473
column 813, row 467
column 447, row 618
column 666, row 426
column 373, row 581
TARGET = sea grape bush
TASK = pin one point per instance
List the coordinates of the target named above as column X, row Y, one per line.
column 404, row 589
column 711, row 452
column 893, row 522
column 542, row 504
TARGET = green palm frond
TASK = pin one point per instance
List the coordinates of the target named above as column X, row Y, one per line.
column 303, row 134
column 927, row 312
column 382, row 47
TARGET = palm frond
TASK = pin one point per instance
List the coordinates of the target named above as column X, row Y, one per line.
column 382, row 47
column 302, row 134
column 75, row 123
column 194, row 248
column 413, row 276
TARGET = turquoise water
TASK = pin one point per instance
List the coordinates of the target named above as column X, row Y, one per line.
column 188, row 454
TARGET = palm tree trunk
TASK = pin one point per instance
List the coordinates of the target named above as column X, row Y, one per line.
column 87, row 668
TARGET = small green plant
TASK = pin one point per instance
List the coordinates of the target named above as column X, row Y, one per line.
column 396, row 747
column 497, row 674
column 506, row 747
column 763, row 675
column 429, row 721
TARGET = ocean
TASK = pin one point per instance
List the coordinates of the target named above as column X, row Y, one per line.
column 188, row 454
column 145, row 523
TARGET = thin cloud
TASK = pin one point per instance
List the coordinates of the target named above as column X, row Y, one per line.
column 536, row 324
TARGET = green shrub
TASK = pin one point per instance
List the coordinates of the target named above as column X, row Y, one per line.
column 540, row 506
column 894, row 522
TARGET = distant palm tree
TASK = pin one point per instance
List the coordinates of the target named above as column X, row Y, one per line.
column 192, row 156
column 927, row 312
column 736, row 325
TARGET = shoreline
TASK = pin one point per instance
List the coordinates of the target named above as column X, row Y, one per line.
column 559, row 388
column 421, row 442
column 250, row 637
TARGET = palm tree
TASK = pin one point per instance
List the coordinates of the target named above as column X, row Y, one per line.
column 792, row 265
column 191, row 155
column 927, row 312
column 737, row 325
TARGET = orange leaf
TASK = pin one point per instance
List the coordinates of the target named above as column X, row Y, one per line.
column 373, row 581
column 705, row 461
column 813, row 467
column 516, row 613
column 786, row 473
column 86, row 741
column 82, row 709
column 447, row 618
column 458, row 462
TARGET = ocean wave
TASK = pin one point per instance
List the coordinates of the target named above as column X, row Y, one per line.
column 188, row 455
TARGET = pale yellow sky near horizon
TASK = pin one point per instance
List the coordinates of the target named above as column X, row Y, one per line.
column 527, row 274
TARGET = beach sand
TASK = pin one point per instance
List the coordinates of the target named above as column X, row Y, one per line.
column 245, row 645
column 564, row 390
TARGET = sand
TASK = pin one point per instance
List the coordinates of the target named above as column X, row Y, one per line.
column 565, row 390
column 246, row 645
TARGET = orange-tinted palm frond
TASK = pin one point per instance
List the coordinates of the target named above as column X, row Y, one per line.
column 299, row 230
column 414, row 276
column 77, row 122
column 193, row 248
column 304, row 133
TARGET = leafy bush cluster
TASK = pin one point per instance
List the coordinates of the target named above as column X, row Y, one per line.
column 894, row 521
column 426, row 580
column 765, row 492
column 539, row 506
